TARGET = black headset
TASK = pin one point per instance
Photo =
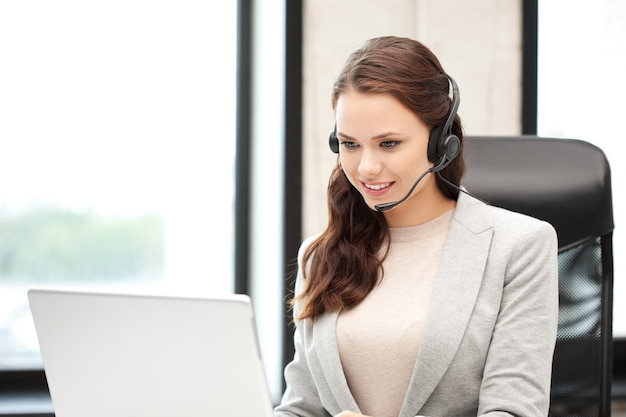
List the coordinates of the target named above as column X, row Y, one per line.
column 443, row 145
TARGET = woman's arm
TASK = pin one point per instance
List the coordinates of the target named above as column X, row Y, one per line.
column 301, row 396
column 518, row 368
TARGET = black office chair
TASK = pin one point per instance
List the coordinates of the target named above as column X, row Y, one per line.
column 566, row 182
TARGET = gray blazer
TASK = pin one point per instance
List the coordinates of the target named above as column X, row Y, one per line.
column 489, row 338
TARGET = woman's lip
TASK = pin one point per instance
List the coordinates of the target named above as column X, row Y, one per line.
column 376, row 188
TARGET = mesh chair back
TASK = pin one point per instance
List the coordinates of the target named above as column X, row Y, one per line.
column 566, row 182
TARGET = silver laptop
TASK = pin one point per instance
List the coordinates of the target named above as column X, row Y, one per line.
column 113, row 354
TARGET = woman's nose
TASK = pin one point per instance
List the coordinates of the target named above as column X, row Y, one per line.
column 370, row 164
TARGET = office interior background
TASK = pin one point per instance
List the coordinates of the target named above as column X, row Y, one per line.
column 182, row 145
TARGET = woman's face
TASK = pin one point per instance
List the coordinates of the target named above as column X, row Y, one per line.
column 383, row 151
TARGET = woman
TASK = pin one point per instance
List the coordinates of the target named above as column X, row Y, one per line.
column 417, row 299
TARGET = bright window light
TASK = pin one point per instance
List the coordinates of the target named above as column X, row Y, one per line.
column 117, row 151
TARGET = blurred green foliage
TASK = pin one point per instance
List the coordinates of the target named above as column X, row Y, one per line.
column 50, row 244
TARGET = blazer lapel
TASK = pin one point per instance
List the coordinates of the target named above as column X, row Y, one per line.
column 454, row 295
column 325, row 336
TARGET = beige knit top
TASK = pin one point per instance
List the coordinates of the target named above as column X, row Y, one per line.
column 378, row 339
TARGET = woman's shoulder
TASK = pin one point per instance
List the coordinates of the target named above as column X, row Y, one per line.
column 506, row 219
column 307, row 242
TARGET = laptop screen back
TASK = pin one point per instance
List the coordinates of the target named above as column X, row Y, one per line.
column 108, row 354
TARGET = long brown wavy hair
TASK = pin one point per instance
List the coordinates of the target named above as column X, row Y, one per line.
column 343, row 264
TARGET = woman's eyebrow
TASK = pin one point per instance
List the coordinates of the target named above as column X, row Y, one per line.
column 379, row 136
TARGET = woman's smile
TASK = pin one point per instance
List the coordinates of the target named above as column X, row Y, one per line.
column 376, row 189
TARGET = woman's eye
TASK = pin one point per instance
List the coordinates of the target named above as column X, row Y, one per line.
column 349, row 145
column 389, row 144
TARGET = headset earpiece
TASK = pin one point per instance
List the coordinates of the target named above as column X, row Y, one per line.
column 333, row 141
column 452, row 147
column 434, row 141
column 443, row 145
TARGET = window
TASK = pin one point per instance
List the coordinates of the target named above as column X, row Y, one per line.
column 580, row 59
column 117, row 151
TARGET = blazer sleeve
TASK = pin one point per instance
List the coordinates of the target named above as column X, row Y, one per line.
column 301, row 397
column 518, row 367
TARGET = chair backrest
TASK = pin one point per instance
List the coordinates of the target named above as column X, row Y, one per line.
column 566, row 182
